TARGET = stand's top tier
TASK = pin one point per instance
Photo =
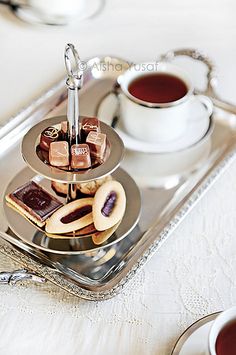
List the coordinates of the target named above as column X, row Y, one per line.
column 38, row 160
column 30, row 143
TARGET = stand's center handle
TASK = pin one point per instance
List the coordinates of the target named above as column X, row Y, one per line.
column 74, row 83
column 73, row 67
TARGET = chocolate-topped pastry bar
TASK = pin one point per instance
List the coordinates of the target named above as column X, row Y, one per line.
column 89, row 124
column 97, row 144
column 80, row 156
column 59, row 154
column 33, row 202
column 49, row 135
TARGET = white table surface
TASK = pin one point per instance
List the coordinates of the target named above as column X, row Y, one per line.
column 194, row 272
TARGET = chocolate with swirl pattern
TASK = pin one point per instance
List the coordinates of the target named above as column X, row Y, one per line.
column 49, row 135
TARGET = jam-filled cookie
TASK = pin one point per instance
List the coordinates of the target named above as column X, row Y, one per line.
column 109, row 205
column 71, row 217
column 100, row 237
column 90, row 188
column 88, row 230
column 60, row 188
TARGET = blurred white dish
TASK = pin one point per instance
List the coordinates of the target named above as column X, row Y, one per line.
column 56, row 12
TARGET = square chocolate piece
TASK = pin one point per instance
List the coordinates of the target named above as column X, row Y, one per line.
column 89, row 124
column 33, row 202
column 59, row 154
column 80, row 156
column 49, row 135
column 97, row 144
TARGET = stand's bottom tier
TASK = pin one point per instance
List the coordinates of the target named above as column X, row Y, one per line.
column 35, row 237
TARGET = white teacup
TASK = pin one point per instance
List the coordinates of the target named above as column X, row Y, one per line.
column 220, row 322
column 156, row 122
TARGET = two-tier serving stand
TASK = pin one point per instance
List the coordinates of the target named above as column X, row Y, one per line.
column 46, row 173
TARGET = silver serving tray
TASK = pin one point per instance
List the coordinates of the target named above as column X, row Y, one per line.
column 170, row 185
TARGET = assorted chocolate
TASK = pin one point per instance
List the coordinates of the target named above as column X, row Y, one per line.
column 59, row 154
column 89, row 124
column 64, row 131
column 89, row 152
column 48, row 136
column 97, row 144
column 80, row 156
column 34, row 202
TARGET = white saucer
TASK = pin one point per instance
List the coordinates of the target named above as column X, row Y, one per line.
column 194, row 341
column 197, row 128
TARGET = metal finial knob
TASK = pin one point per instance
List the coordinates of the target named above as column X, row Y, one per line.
column 73, row 67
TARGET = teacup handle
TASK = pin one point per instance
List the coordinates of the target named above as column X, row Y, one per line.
column 196, row 55
column 207, row 102
column 115, row 92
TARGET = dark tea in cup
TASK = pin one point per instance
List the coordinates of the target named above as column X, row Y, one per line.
column 226, row 340
column 222, row 335
column 158, row 88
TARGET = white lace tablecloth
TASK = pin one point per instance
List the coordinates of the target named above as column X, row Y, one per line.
column 193, row 274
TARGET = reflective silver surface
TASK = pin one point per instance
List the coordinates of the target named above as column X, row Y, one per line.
column 171, row 184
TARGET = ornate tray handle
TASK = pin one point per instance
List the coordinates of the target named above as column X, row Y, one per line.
column 195, row 54
column 211, row 76
column 19, row 275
